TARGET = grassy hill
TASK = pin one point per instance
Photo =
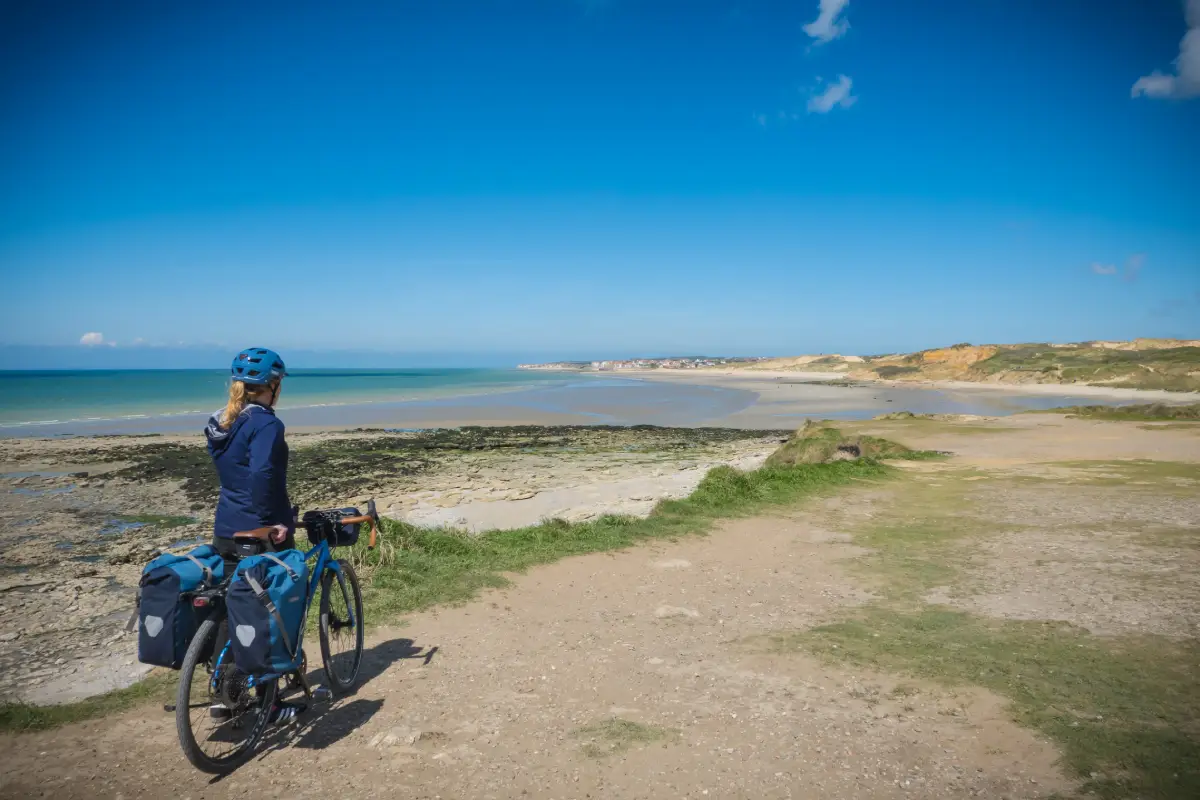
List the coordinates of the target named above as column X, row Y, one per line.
column 1170, row 364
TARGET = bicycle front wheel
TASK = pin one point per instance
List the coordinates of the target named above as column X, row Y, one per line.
column 341, row 627
column 218, row 716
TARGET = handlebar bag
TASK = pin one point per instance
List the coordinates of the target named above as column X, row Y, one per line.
column 266, row 603
column 166, row 620
column 326, row 526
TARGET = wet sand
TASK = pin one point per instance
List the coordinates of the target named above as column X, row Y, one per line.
column 678, row 398
column 784, row 399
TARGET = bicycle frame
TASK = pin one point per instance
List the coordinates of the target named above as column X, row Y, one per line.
column 325, row 561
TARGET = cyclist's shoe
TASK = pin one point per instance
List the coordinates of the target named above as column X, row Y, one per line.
column 219, row 711
column 283, row 713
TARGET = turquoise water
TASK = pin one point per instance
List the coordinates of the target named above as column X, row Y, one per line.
column 53, row 396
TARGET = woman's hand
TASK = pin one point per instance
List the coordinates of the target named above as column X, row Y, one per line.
column 279, row 534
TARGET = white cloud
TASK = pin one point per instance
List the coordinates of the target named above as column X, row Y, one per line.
column 91, row 339
column 837, row 94
column 1185, row 82
column 761, row 119
column 1133, row 267
column 827, row 26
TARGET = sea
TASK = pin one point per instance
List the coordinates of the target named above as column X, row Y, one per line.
column 42, row 399
column 121, row 402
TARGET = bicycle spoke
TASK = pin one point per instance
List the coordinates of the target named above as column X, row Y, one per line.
column 219, row 714
column 222, row 716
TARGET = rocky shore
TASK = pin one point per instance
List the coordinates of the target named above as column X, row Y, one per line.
column 81, row 516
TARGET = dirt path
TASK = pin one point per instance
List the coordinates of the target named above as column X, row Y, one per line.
column 642, row 674
column 485, row 700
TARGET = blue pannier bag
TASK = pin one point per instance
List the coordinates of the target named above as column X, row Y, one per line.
column 166, row 620
column 266, row 603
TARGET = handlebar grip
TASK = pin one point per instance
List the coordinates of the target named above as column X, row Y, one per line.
column 374, row 515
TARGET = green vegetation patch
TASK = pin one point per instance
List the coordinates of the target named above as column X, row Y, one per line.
column 817, row 443
column 1174, row 368
column 160, row 687
column 891, row 371
column 1146, row 412
column 1125, row 710
column 1122, row 709
column 1159, row 475
column 615, row 735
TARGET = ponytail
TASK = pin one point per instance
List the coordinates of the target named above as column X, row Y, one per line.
column 236, row 404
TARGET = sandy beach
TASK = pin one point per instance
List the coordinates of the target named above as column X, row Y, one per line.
column 749, row 378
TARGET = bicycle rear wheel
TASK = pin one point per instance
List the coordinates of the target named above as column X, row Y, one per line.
column 218, row 717
column 341, row 627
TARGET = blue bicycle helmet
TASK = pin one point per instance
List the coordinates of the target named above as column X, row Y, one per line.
column 258, row 365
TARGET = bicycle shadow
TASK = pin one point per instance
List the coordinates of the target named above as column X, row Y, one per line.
column 323, row 723
column 376, row 660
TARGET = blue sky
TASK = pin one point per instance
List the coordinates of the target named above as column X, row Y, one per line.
column 488, row 180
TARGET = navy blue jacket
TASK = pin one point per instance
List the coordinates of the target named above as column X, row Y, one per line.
column 252, row 460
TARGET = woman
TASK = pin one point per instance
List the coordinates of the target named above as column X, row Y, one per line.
column 245, row 440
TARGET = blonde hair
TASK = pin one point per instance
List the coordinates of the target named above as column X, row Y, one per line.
column 239, row 396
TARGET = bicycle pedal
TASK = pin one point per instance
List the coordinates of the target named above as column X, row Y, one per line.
column 322, row 694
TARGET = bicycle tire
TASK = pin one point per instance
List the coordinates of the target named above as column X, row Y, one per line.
column 341, row 681
column 184, row 705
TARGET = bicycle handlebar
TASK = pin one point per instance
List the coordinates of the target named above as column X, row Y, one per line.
column 370, row 518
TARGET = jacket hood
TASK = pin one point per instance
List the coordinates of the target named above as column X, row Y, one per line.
column 217, row 437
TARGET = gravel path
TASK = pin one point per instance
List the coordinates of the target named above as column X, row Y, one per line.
column 486, row 700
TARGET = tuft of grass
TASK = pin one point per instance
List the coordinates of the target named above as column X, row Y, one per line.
column 159, row 686
column 414, row 568
column 1123, row 710
column 615, row 735
column 1146, row 412
column 817, row 443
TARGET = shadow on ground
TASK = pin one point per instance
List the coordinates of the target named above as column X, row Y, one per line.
column 324, row 724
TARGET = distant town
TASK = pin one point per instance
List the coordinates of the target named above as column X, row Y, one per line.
column 684, row 362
